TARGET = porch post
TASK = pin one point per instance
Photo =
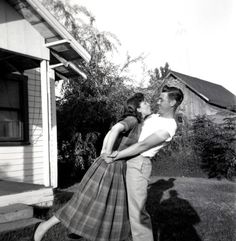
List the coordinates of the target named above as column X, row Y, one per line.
column 44, row 68
column 53, row 132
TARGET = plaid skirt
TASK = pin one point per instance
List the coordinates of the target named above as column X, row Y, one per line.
column 99, row 210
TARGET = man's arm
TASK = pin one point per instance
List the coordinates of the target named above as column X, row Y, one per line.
column 151, row 141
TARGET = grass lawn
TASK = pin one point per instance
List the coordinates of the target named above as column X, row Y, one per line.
column 193, row 209
column 182, row 209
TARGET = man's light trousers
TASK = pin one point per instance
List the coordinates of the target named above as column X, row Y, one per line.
column 137, row 177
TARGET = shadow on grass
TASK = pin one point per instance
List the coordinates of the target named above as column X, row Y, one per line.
column 173, row 219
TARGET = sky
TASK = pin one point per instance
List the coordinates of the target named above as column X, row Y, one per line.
column 196, row 37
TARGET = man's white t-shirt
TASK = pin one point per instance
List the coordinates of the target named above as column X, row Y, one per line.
column 155, row 123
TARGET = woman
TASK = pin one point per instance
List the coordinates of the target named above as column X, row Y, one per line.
column 98, row 211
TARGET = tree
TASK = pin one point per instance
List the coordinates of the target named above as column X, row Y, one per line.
column 88, row 107
column 156, row 82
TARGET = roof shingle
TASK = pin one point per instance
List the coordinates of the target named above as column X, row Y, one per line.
column 216, row 94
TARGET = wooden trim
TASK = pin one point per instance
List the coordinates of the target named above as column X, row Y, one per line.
column 44, row 68
column 15, row 143
column 59, row 42
column 53, row 133
column 69, row 64
column 28, row 197
column 25, row 109
column 23, row 80
column 51, row 20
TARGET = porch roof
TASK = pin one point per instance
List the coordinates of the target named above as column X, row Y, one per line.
column 66, row 52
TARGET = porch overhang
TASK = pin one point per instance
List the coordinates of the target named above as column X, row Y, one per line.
column 14, row 62
column 57, row 38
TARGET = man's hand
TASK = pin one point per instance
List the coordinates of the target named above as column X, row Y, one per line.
column 111, row 158
column 106, row 157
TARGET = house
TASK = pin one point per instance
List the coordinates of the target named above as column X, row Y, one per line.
column 35, row 49
column 202, row 98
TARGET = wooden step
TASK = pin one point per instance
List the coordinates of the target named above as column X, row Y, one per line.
column 15, row 212
column 30, row 197
column 12, row 226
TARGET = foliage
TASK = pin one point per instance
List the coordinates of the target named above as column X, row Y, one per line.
column 157, row 79
column 215, row 144
column 179, row 157
column 88, row 107
column 200, row 148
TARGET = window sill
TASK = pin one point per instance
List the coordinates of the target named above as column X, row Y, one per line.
column 15, row 143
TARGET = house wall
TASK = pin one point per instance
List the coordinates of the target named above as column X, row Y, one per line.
column 192, row 104
column 27, row 163
column 18, row 35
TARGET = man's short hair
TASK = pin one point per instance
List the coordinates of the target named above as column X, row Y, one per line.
column 174, row 94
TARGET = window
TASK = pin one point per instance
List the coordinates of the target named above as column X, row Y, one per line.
column 13, row 109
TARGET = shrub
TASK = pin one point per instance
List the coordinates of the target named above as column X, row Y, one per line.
column 179, row 157
column 75, row 157
column 215, row 145
column 201, row 148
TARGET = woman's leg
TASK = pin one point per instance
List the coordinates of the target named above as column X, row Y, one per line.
column 44, row 227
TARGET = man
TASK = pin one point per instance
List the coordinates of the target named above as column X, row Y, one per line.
column 157, row 131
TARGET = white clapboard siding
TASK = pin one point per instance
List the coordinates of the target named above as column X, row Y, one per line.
column 33, row 178
column 35, row 124
column 32, row 92
column 34, row 104
column 18, row 149
column 25, row 173
column 33, row 99
column 34, row 109
column 22, row 167
column 20, row 156
column 36, row 134
column 26, row 163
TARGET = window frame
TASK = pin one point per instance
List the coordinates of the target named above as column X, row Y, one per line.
column 23, row 98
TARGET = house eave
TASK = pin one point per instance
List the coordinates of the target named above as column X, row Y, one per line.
column 57, row 38
column 48, row 17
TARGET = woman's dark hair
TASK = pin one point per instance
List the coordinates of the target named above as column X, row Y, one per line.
column 131, row 106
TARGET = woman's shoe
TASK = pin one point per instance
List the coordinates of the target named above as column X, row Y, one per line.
column 73, row 236
column 35, row 228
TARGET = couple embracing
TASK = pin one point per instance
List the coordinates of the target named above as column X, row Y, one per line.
column 110, row 201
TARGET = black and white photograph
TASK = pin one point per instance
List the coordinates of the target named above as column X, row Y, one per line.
column 117, row 120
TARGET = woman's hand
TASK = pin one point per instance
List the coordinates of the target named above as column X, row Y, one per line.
column 108, row 160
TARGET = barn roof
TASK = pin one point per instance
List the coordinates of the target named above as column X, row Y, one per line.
column 213, row 93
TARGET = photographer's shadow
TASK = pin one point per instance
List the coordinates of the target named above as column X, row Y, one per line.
column 175, row 219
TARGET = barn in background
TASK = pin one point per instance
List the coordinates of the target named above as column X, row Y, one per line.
column 202, row 98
